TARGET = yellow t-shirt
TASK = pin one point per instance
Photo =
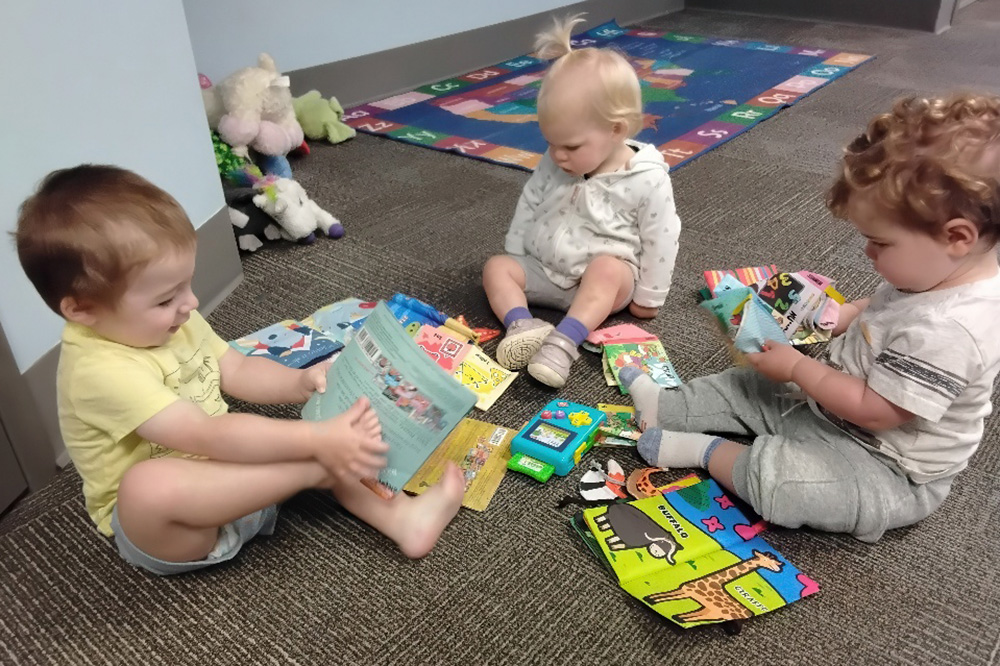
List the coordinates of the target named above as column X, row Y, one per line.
column 106, row 390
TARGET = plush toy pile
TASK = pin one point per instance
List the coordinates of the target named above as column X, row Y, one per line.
column 254, row 127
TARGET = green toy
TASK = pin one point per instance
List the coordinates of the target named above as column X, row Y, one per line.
column 226, row 160
column 536, row 469
column 320, row 118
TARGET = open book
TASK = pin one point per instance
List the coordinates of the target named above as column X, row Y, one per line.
column 418, row 403
column 693, row 557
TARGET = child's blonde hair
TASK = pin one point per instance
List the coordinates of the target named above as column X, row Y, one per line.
column 928, row 161
column 87, row 228
column 620, row 98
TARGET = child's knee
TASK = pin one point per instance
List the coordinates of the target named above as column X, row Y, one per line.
column 501, row 267
column 147, row 487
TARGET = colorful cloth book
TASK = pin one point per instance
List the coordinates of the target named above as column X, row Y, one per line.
column 747, row 276
column 692, row 556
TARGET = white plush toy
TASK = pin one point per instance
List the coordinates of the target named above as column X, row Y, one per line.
column 298, row 216
column 253, row 107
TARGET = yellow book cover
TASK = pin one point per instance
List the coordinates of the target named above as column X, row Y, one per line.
column 484, row 377
column 481, row 450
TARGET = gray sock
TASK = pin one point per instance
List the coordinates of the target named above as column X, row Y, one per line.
column 645, row 394
column 665, row 448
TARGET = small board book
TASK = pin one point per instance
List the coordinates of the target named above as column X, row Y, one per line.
column 446, row 350
column 619, row 428
column 484, row 377
column 417, row 402
column 618, row 333
column 649, row 355
column 693, row 557
column 481, row 451
column 300, row 344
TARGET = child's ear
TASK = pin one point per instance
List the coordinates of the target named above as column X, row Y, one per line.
column 961, row 235
column 620, row 129
column 77, row 311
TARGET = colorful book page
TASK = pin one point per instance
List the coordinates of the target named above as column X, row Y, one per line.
column 617, row 333
column 747, row 276
column 619, row 424
column 339, row 321
column 481, row 450
column 484, row 377
column 693, row 557
column 446, row 350
column 289, row 343
column 650, row 356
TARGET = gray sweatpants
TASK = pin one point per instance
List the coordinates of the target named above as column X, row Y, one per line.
column 801, row 469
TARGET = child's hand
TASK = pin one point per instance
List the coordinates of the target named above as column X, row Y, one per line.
column 776, row 362
column 641, row 311
column 349, row 446
column 313, row 379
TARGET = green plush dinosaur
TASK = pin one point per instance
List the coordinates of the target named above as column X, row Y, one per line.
column 320, row 118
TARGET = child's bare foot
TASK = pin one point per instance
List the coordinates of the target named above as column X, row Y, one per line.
column 349, row 445
column 421, row 520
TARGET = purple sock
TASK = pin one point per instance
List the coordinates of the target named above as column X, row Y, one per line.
column 514, row 314
column 573, row 329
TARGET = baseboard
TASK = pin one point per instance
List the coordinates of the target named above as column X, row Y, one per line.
column 218, row 270
column 377, row 75
column 925, row 15
column 33, row 422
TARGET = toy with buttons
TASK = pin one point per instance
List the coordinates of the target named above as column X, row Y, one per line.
column 554, row 441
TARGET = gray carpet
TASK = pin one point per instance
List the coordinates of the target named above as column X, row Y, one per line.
column 513, row 585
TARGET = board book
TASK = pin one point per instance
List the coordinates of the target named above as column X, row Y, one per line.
column 692, row 556
column 481, row 450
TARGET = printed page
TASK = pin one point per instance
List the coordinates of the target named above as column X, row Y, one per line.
column 484, row 376
column 417, row 402
column 481, row 450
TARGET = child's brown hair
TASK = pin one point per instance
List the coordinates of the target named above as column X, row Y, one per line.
column 928, row 161
column 87, row 228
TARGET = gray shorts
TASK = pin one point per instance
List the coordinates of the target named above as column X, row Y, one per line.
column 232, row 536
column 801, row 469
column 539, row 289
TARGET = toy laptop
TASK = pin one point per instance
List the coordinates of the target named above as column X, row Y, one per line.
column 555, row 439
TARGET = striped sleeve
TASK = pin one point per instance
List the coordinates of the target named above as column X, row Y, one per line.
column 924, row 370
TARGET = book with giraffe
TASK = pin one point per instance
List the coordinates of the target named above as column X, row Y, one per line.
column 692, row 556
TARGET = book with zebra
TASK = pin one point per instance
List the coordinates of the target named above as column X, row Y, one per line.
column 418, row 402
column 692, row 556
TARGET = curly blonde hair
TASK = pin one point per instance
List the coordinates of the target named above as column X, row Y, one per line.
column 620, row 96
column 928, row 161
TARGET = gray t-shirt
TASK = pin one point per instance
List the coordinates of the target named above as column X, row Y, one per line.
column 934, row 354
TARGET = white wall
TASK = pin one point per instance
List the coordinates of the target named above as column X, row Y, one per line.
column 228, row 34
column 104, row 82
